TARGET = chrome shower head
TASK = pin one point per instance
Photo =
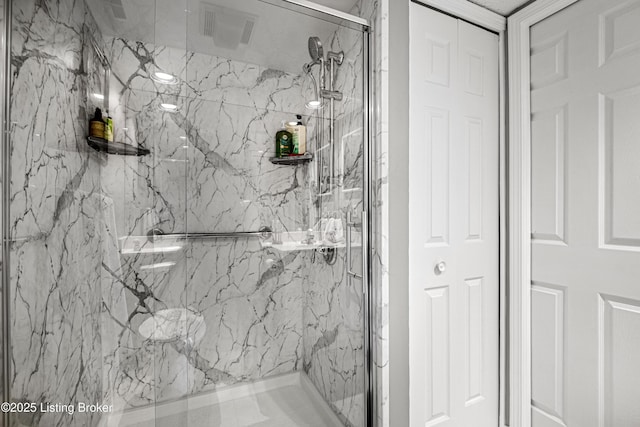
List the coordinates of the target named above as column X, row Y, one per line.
column 315, row 49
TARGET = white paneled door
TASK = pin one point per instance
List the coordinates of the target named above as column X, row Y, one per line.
column 585, row 139
column 454, row 224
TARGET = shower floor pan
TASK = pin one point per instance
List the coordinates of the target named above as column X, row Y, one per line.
column 289, row 400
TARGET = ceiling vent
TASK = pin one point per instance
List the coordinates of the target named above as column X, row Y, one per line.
column 117, row 9
column 229, row 28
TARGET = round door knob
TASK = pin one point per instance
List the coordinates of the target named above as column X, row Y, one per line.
column 441, row 267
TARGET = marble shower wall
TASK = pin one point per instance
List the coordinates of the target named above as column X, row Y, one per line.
column 208, row 172
column 221, row 138
column 56, row 222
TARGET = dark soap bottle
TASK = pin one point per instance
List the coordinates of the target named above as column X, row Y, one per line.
column 284, row 142
column 96, row 125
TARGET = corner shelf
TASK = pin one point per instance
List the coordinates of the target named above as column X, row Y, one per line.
column 292, row 160
column 120, row 148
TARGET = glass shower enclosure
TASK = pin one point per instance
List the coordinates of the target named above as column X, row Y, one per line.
column 178, row 272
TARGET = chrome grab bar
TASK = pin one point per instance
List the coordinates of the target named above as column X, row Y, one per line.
column 263, row 233
column 351, row 224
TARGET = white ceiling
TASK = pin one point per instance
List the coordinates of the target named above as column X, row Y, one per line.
column 502, row 7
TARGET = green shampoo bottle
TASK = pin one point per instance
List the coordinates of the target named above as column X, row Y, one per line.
column 284, row 142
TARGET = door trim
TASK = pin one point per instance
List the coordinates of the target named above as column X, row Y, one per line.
column 519, row 201
column 469, row 12
column 496, row 23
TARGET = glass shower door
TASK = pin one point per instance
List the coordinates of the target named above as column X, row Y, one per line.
column 188, row 277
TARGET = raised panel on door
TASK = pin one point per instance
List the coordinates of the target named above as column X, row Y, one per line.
column 473, row 291
column 438, row 56
column 619, row 370
column 472, row 159
column 618, row 35
column 548, row 355
column 437, row 399
column 548, row 136
column 549, row 60
column 618, row 170
column 436, row 158
column 473, row 66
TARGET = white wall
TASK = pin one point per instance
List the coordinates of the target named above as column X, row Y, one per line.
column 399, row 150
column 391, row 216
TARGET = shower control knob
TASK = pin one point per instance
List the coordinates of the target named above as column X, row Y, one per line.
column 441, row 267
